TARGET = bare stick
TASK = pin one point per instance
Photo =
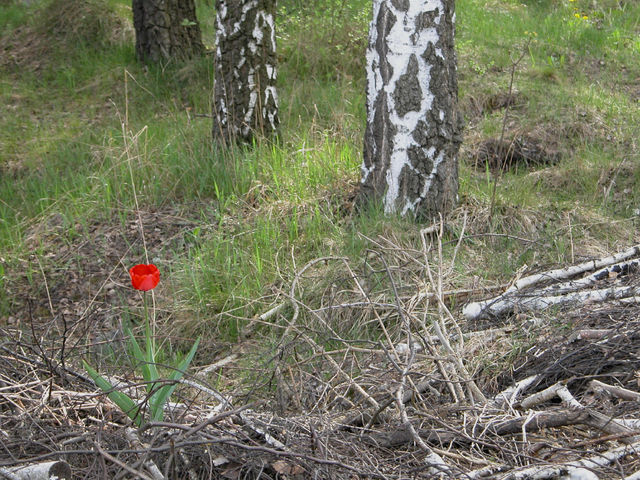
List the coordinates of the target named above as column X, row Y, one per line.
column 542, row 396
column 150, row 465
column 438, row 325
column 619, row 392
column 510, row 395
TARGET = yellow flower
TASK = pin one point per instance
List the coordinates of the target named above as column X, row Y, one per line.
column 584, row 17
column 577, row 15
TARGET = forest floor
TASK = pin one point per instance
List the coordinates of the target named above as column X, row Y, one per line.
column 333, row 344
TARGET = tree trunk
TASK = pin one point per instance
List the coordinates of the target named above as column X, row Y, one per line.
column 245, row 102
column 413, row 130
column 166, row 30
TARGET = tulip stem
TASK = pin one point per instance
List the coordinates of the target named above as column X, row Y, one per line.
column 150, row 326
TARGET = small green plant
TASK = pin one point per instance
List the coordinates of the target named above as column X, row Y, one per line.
column 145, row 278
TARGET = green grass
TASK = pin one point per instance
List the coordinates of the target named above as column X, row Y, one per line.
column 266, row 210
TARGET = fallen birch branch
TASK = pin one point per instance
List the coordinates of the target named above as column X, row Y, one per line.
column 578, row 470
column 509, row 396
column 533, row 423
column 618, row 392
column 532, row 302
column 611, row 271
column 517, row 296
column 563, row 273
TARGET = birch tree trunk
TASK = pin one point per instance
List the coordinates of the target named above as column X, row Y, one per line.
column 245, row 102
column 166, row 30
column 413, row 130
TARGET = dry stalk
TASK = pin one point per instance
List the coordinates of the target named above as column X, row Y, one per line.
column 437, row 465
column 439, row 324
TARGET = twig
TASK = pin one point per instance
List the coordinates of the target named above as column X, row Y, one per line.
column 294, row 283
column 457, row 247
column 437, row 465
column 150, row 465
column 215, row 366
column 503, row 162
column 318, row 349
column 121, row 464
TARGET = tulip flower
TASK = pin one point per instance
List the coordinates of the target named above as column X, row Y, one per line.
column 144, row 277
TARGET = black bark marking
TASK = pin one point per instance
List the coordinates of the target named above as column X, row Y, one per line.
column 400, row 5
column 386, row 20
column 408, row 94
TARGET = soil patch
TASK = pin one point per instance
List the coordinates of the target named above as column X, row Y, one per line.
column 79, row 281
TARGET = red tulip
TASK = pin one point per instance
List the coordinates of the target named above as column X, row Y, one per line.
column 144, row 277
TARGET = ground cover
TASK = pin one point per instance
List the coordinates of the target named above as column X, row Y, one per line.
column 304, row 305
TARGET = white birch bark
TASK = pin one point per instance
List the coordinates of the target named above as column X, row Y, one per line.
column 245, row 102
column 39, row 471
column 413, row 127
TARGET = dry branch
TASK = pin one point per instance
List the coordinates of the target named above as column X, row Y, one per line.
column 619, row 392
column 595, row 419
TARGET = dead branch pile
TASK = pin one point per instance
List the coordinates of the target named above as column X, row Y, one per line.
column 373, row 378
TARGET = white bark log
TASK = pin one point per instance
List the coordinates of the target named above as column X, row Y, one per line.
column 42, row 471
column 578, row 470
column 510, row 395
column 564, row 273
column 619, row 392
column 532, row 302
column 560, row 472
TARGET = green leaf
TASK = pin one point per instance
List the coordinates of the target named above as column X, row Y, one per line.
column 159, row 398
column 149, row 371
column 123, row 401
